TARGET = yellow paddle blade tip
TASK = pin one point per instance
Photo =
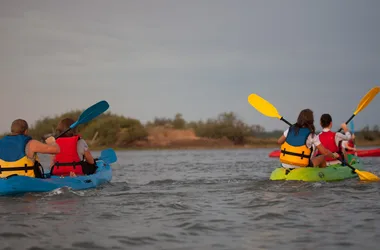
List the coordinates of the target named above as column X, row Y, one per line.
column 367, row 99
column 263, row 106
column 367, row 176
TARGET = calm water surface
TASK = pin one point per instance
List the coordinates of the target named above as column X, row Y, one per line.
column 206, row 199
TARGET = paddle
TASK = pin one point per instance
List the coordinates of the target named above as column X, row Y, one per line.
column 265, row 107
column 89, row 114
column 108, row 156
column 364, row 102
column 268, row 109
column 363, row 175
column 352, row 128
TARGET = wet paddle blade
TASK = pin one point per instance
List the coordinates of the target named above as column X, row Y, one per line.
column 89, row 114
column 92, row 112
column 367, row 176
column 367, row 99
column 263, row 106
column 108, row 156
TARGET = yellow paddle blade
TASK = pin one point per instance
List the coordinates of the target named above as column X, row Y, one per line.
column 367, row 176
column 367, row 99
column 263, row 106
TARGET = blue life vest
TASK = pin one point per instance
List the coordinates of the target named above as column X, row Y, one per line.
column 14, row 161
column 12, row 147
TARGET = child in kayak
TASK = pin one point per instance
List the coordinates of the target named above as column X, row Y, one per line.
column 75, row 157
column 348, row 147
column 350, row 144
column 298, row 141
column 333, row 140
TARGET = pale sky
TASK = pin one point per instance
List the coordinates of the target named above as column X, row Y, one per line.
column 152, row 58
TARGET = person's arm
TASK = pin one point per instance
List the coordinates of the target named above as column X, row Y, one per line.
column 282, row 139
column 88, row 157
column 324, row 151
column 85, row 151
column 35, row 146
column 344, row 137
column 345, row 146
column 350, row 148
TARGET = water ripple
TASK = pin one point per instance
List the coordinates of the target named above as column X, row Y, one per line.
column 196, row 199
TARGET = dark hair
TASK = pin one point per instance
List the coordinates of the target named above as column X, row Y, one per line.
column 19, row 127
column 325, row 120
column 63, row 125
column 305, row 120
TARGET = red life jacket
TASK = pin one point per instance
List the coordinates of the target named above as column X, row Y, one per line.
column 67, row 160
column 328, row 141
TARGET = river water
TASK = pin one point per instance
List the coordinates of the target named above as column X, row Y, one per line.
column 197, row 199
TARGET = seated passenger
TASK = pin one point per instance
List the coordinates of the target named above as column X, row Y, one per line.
column 332, row 140
column 297, row 144
column 75, row 157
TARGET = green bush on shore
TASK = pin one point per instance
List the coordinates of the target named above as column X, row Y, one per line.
column 111, row 130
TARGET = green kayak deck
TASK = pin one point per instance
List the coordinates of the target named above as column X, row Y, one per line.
column 335, row 172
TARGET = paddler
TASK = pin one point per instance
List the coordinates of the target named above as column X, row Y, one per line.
column 348, row 147
column 350, row 144
column 18, row 152
column 75, row 157
column 333, row 140
column 297, row 144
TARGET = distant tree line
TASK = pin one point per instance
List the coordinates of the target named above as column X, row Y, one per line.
column 114, row 130
column 226, row 125
column 370, row 134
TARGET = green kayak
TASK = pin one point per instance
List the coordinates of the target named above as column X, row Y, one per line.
column 335, row 172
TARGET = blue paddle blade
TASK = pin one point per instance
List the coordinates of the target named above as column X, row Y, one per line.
column 90, row 113
column 352, row 128
column 108, row 156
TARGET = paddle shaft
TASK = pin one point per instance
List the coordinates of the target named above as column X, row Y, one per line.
column 348, row 165
column 347, row 121
column 67, row 130
column 282, row 119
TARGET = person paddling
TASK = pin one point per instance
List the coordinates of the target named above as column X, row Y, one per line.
column 18, row 152
column 333, row 140
column 349, row 145
column 297, row 144
column 75, row 157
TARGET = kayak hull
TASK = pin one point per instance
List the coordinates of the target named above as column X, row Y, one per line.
column 24, row 184
column 368, row 153
column 335, row 172
column 361, row 153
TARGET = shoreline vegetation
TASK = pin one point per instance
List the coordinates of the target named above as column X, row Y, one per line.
column 226, row 131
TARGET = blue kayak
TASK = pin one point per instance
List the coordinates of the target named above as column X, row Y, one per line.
column 24, row 184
